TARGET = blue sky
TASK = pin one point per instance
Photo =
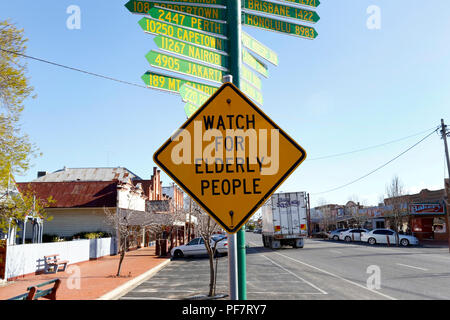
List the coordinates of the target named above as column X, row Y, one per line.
column 350, row 88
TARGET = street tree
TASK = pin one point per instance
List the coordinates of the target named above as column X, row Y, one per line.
column 360, row 217
column 129, row 225
column 398, row 202
column 16, row 150
column 206, row 228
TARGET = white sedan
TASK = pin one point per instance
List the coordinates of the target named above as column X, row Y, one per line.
column 350, row 235
column 385, row 235
column 197, row 247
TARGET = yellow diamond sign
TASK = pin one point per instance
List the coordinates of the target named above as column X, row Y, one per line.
column 229, row 157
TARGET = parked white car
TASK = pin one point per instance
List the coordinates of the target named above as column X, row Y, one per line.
column 352, row 234
column 334, row 235
column 382, row 236
column 197, row 247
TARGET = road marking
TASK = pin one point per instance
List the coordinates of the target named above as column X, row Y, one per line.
column 305, row 281
column 405, row 265
column 278, row 293
column 339, row 277
column 336, row 251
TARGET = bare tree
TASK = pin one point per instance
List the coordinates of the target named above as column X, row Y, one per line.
column 397, row 201
column 360, row 217
column 129, row 225
column 207, row 227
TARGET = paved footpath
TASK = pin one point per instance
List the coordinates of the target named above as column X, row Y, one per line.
column 97, row 276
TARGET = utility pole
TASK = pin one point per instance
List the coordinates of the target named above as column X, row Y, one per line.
column 308, row 214
column 444, row 137
column 189, row 226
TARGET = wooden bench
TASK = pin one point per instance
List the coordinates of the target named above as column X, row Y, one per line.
column 34, row 293
column 52, row 263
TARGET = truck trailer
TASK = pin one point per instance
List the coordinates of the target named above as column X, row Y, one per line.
column 284, row 220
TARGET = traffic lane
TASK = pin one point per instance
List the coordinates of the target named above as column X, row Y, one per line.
column 352, row 261
column 358, row 264
column 268, row 279
column 331, row 285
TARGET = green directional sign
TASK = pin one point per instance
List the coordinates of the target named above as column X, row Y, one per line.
column 189, row 109
column 191, row 51
column 257, row 65
column 170, row 63
column 281, row 10
column 284, row 27
column 307, row 3
column 200, row 39
column 208, row 12
column 191, row 95
column 252, row 92
column 259, row 48
column 249, row 76
column 171, row 84
column 188, row 21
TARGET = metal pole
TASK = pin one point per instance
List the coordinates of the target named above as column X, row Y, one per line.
column 232, row 266
column 235, row 54
column 444, row 137
column 232, row 247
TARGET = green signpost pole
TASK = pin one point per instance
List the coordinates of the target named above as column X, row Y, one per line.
column 235, row 56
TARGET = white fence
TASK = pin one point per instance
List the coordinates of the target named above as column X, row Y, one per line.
column 29, row 258
column 102, row 247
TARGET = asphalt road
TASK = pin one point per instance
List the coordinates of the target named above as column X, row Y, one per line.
column 321, row 270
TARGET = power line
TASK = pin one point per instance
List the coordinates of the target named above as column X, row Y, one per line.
column 74, row 69
column 380, row 167
column 368, row 148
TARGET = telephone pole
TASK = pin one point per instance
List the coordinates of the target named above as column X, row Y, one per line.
column 444, row 137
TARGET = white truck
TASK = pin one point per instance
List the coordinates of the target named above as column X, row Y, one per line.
column 284, row 220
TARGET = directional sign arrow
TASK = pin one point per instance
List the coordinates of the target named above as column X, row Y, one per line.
column 249, row 76
column 191, row 51
column 208, row 12
column 163, row 82
column 189, row 109
column 259, row 48
column 257, row 65
column 170, row 63
column 252, row 92
column 307, row 3
column 200, row 39
column 281, row 10
column 192, row 95
column 188, row 21
column 279, row 26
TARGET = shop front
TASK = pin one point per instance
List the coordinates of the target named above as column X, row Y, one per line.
column 428, row 221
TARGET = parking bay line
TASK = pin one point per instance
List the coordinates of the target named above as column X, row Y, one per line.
column 298, row 277
column 405, row 265
column 336, row 276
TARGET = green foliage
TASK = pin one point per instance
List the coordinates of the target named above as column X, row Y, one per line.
column 52, row 238
column 16, row 150
column 14, row 85
column 91, row 235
